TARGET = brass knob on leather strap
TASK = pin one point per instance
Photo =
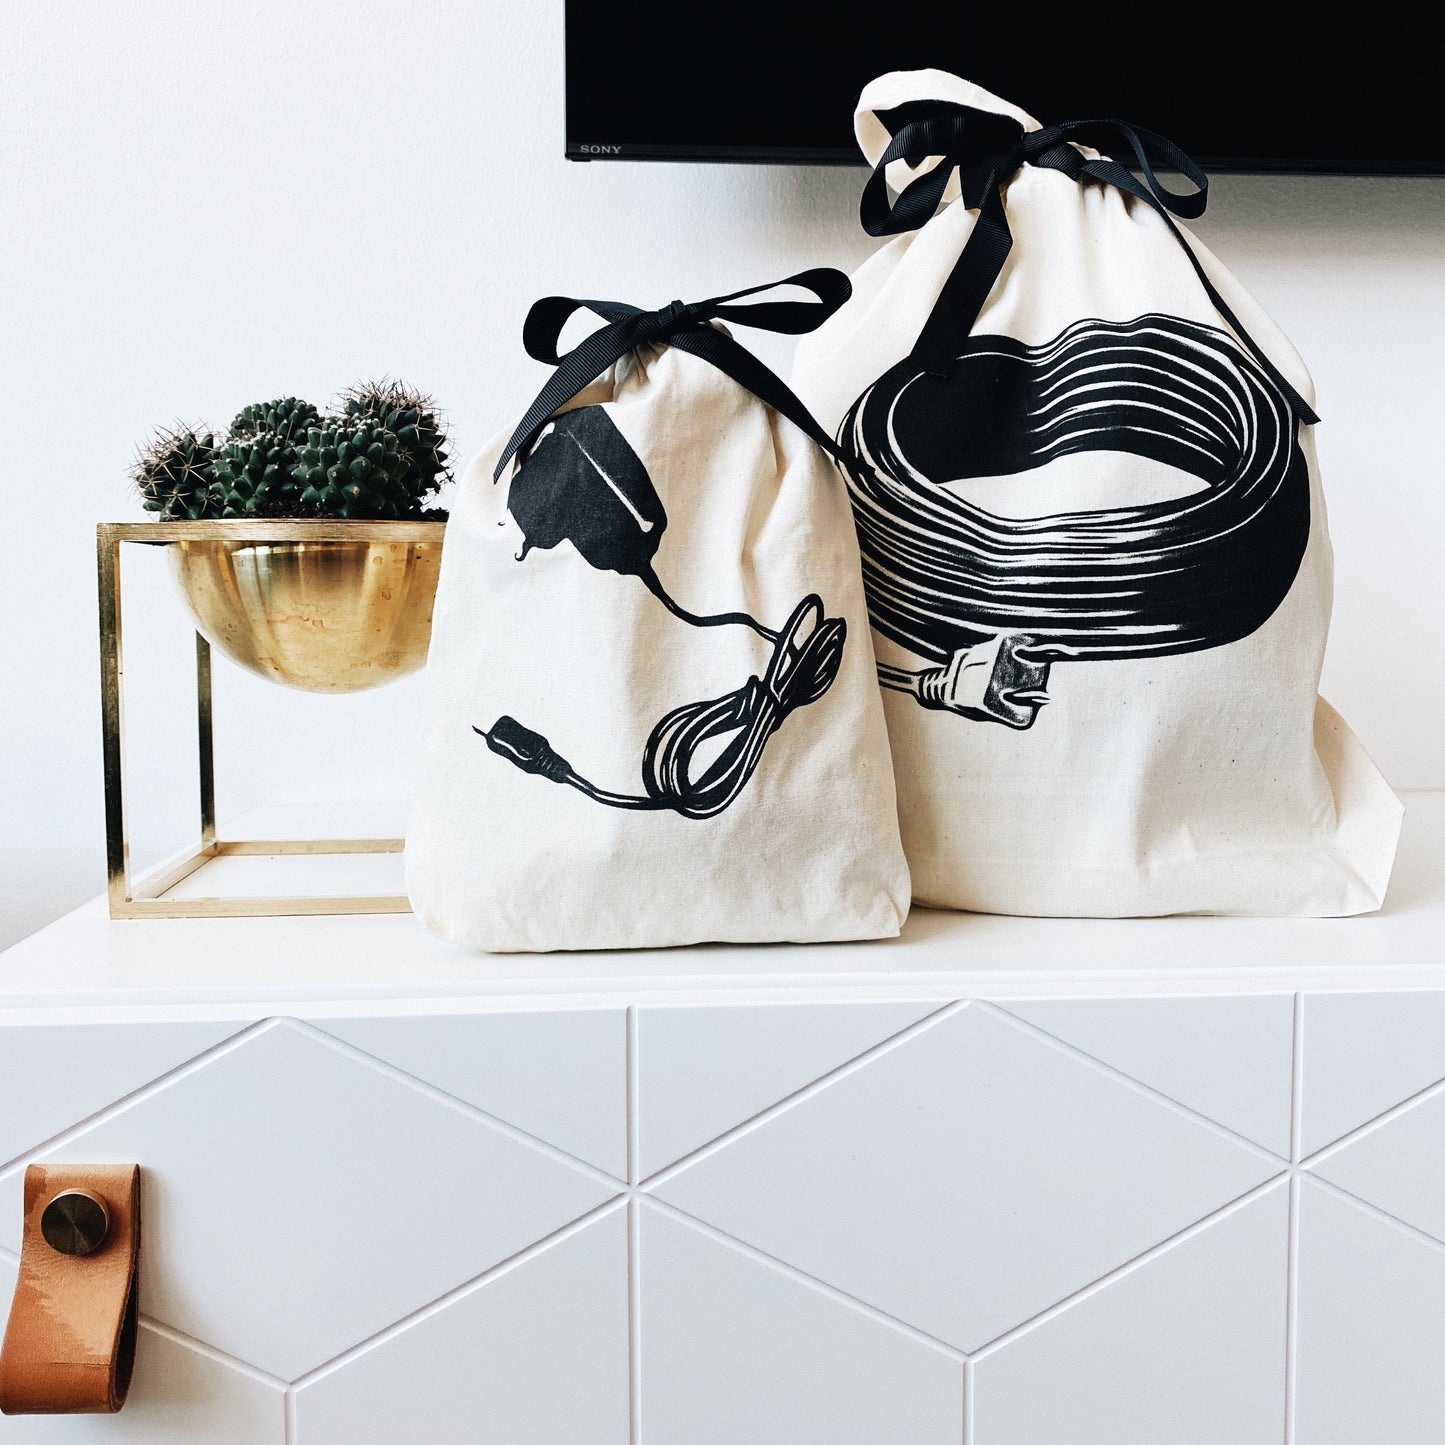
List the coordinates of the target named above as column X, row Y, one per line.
column 75, row 1222
column 69, row 1346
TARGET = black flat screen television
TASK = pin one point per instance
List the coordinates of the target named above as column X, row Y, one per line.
column 1271, row 87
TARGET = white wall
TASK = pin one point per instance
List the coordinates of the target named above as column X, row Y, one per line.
column 205, row 205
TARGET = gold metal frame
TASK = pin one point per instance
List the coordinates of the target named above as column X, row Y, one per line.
column 146, row 897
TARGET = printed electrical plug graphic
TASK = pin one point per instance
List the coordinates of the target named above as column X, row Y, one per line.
column 582, row 483
column 987, row 600
column 992, row 681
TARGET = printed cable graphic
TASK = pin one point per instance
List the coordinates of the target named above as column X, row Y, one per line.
column 583, row 483
column 997, row 600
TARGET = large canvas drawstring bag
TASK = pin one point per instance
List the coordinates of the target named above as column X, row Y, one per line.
column 1083, row 471
column 652, row 715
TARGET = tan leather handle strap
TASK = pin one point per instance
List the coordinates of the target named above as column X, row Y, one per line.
column 70, row 1344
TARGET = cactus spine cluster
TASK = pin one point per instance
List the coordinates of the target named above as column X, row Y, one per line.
column 381, row 455
column 412, row 418
column 253, row 477
column 289, row 418
column 353, row 468
column 173, row 474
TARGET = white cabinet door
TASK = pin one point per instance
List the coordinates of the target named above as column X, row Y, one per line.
column 841, row 1222
column 322, row 1221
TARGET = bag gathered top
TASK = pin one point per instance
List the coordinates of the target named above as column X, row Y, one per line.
column 1093, row 538
column 652, row 715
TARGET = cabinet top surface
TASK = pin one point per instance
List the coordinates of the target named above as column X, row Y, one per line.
column 85, row 961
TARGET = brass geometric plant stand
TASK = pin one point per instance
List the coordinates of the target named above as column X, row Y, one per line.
column 147, row 897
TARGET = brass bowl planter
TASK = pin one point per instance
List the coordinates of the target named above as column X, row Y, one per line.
column 326, row 606
column 337, row 614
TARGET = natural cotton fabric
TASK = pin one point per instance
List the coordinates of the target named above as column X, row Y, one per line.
column 1100, row 382
column 541, row 622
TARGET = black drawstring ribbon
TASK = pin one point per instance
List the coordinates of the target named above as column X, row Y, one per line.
column 685, row 327
column 985, row 150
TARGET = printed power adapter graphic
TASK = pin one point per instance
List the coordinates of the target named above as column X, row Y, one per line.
column 583, row 483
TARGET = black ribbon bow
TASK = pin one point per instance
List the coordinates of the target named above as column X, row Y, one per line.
column 685, row 327
column 985, row 150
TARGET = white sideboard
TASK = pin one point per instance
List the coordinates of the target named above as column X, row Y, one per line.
column 1000, row 1182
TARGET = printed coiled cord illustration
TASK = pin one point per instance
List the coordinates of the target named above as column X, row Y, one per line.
column 583, row 483
column 994, row 600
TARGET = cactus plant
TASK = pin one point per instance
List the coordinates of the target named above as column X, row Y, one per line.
column 381, row 458
column 253, row 477
column 288, row 417
column 174, row 474
column 412, row 418
column 350, row 467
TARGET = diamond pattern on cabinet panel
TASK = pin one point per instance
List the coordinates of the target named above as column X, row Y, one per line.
column 1188, row 1349
column 735, row 1352
column 561, row 1076
column 1398, row 1165
column 1365, row 1053
column 179, row 1397
column 1371, row 1324
column 85, row 1067
column 1229, row 1059
column 298, row 1200
column 966, row 1179
column 537, row 1355
column 703, row 1071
